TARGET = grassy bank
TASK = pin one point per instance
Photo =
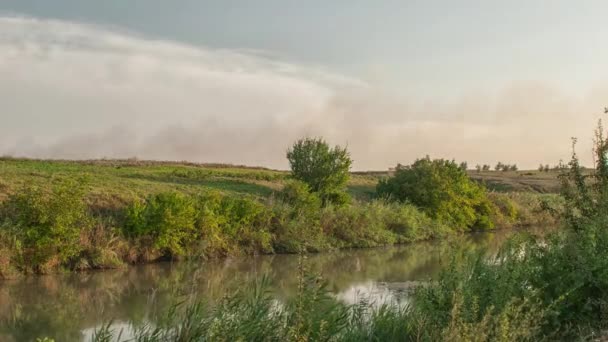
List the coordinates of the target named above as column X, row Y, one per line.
column 549, row 289
column 105, row 214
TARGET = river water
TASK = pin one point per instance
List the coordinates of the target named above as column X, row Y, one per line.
column 68, row 307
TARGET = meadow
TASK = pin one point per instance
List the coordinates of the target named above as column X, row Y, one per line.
column 550, row 288
column 120, row 180
column 81, row 215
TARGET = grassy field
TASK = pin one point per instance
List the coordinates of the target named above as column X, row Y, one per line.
column 502, row 181
column 122, row 180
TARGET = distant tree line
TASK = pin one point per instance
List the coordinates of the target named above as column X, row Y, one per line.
column 559, row 167
column 500, row 166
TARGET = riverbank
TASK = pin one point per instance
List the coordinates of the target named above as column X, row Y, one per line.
column 67, row 306
column 56, row 227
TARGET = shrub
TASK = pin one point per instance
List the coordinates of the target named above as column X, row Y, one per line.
column 408, row 223
column 46, row 224
column 233, row 224
column 324, row 169
column 441, row 189
column 298, row 195
column 297, row 231
column 168, row 219
column 296, row 220
column 361, row 226
column 507, row 212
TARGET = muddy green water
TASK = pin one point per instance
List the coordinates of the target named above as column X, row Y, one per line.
column 68, row 307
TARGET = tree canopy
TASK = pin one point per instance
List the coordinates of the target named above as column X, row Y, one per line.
column 324, row 169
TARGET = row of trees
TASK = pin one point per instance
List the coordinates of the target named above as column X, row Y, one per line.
column 559, row 167
column 500, row 166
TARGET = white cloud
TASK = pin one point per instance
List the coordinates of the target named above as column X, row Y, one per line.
column 72, row 90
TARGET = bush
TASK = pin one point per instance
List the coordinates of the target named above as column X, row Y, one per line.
column 297, row 231
column 46, row 224
column 411, row 224
column 232, row 225
column 298, row 195
column 324, row 169
column 167, row 219
column 296, row 220
column 507, row 212
column 361, row 226
column 441, row 189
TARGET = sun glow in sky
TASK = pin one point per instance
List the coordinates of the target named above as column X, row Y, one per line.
column 238, row 81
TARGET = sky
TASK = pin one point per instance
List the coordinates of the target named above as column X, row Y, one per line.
column 238, row 81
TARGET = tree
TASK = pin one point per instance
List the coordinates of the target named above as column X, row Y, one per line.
column 464, row 166
column 486, row 167
column 478, row 168
column 513, row 167
column 442, row 190
column 325, row 170
column 541, row 168
column 498, row 166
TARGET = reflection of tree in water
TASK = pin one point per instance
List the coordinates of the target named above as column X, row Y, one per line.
column 62, row 306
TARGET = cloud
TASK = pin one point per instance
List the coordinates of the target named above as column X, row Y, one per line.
column 72, row 90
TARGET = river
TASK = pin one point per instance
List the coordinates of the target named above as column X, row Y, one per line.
column 68, row 307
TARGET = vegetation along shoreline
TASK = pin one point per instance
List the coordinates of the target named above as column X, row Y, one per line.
column 77, row 216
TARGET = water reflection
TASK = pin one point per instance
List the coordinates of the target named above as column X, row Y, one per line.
column 67, row 307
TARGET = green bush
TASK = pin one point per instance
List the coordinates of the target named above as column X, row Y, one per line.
column 507, row 211
column 356, row 226
column 168, row 219
column 232, row 225
column 324, row 169
column 46, row 224
column 298, row 195
column 409, row 223
column 441, row 189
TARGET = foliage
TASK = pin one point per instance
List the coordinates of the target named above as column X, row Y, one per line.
column 505, row 167
column 544, row 168
column 442, row 190
column 324, row 169
column 238, row 224
column 211, row 224
column 562, row 277
column 168, row 219
column 298, row 195
column 45, row 225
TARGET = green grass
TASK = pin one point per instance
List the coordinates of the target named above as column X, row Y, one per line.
column 503, row 181
column 104, row 213
column 124, row 179
column 121, row 180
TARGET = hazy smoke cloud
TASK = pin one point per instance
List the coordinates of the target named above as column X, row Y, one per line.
column 70, row 90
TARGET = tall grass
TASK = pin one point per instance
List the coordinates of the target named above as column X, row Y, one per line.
column 46, row 229
column 314, row 314
column 534, row 289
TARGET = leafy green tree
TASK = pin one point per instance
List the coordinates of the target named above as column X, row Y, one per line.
column 464, row 166
column 441, row 189
column 324, row 169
